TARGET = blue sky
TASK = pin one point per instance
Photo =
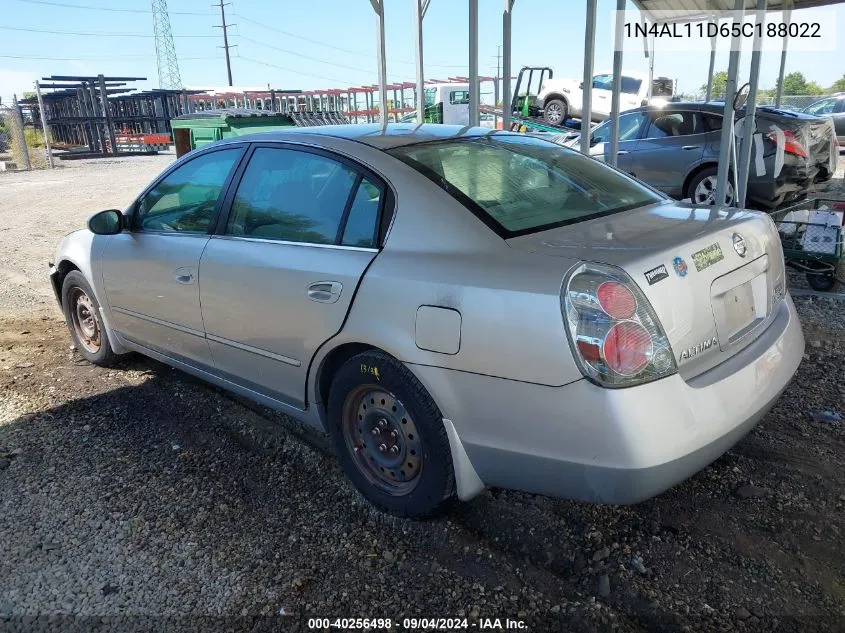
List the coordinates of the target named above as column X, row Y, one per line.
column 331, row 43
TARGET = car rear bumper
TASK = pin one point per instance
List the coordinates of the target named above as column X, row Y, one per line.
column 585, row 442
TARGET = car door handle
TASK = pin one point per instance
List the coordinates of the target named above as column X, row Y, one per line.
column 622, row 151
column 184, row 275
column 691, row 147
column 325, row 291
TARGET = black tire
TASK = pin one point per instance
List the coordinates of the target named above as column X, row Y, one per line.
column 706, row 174
column 82, row 315
column 399, row 400
column 823, row 282
column 555, row 112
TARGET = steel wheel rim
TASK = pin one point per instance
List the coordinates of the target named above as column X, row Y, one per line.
column 554, row 112
column 705, row 191
column 85, row 321
column 383, row 440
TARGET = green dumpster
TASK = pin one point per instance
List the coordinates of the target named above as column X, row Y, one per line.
column 198, row 129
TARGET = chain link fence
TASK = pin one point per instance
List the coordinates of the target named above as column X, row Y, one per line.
column 787, row 102
column 21, row 147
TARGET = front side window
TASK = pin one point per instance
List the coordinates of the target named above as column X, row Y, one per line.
column 184, row 201
column 603, row 82
column 296, row 196
column 671, row 124
column 825, row 106
column 430, row 96
column 520, row 184
column 629, row 127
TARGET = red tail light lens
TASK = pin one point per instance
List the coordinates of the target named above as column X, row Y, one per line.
column 791, row 145
column 627, row 348
column 616, row 300
column 616, row 337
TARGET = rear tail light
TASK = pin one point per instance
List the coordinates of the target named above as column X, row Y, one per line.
column 616, row 337
column 790, row 143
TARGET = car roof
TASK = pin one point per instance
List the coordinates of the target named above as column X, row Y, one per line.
column 380, row 136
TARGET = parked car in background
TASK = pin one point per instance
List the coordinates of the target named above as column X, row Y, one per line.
column 833, row 107
column 456, row 307
column 675, row 148
column 560, row 99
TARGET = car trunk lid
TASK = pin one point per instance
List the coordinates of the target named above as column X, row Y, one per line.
column 711, row 300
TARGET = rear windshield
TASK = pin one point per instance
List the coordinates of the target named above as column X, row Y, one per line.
column 520, row 184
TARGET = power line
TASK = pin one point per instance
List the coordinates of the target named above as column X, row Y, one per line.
column 86, row 59
column 291, row 70
column 337, row 48
column 296, row 54
column 113, row 9
column 91, row 34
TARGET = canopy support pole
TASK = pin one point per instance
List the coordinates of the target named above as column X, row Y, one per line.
column 617, row 84
column 787, row 18
column 727, row 139
column 378, row 7
column 473, row 64
column 751, row 106
column 506, row 64
column 587, row 91
column 713, row 41
column 420, row 7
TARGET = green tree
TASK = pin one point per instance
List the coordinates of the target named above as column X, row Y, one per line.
column 720, row 83
column 838, row 85
column 796, row 84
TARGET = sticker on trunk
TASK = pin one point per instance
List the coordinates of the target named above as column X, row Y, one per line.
column 656, row 274
column 680, row 266
column 707, row 256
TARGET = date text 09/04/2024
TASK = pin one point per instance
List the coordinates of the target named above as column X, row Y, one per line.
column 712, row 29
column 416, row 624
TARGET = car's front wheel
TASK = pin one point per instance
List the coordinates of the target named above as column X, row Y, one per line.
column 389, row 435
column 82, row 314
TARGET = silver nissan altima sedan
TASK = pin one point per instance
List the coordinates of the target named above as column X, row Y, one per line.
column 456, row 307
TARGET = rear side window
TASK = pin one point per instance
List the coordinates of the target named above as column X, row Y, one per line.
column 630, row 85
column 519, row 184
column 294, row 196
column 711, row 122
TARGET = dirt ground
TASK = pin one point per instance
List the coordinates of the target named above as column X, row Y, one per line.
column 139, row 492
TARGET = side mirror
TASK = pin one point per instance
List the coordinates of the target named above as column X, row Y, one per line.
column 108, row 222
column 581, row 85
column 741, row 97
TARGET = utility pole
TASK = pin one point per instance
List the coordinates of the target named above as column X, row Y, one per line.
column 225, row 28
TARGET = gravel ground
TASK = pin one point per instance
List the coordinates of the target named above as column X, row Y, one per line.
column 140, row 493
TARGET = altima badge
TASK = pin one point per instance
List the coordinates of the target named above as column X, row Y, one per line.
column 739, row 244
column 695, row 350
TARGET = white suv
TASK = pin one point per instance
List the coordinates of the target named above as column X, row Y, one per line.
column 560, row 99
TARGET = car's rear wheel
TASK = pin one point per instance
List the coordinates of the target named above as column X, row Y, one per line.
column 389, row 436
column 555, row 111
column 702, row 188
column 82, row 314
